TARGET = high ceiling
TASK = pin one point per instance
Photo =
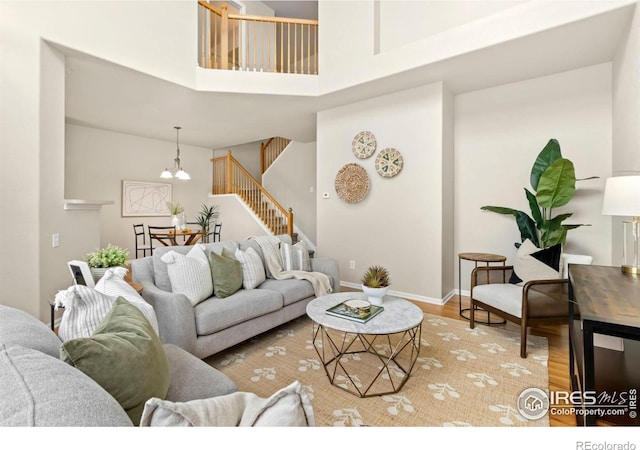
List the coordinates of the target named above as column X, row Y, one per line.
column 103, row 95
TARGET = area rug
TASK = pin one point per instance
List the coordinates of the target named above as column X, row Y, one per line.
column 462, row 377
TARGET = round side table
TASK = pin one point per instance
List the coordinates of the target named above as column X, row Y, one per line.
column 487, row 258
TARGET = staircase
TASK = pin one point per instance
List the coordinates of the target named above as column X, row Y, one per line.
column 230, row 177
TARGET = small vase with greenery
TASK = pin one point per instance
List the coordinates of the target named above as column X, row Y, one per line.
column 105, row 258
column 375, row 283
column 204, row 220
column 177, row 213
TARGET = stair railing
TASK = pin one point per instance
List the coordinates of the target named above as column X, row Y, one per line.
column 256, row 43
column 229, row 177
column 270, row 150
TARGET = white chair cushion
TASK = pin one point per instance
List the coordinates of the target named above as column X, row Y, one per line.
column 505, row 297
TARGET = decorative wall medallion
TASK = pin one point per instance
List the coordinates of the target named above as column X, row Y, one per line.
column 352, row 183
column 364, row 144
column 389, row 163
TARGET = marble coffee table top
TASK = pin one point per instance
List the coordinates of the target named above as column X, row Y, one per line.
column 398, row 315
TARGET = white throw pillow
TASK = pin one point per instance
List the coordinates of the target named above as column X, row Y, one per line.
column 295, row 257
column 288, row 407
column 568, row 258
column 114, row 285
column 189, row 274
column 253, row 274
column 84, row 310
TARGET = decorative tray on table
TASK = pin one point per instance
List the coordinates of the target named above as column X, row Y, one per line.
column 355, row 309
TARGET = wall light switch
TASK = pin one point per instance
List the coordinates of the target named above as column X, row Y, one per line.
column 55, row 240
column 311, row 189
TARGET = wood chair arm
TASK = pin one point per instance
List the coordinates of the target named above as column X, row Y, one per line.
column 487, row 270
column 532, row 283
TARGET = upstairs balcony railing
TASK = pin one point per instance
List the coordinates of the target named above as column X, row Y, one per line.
column 256, row 43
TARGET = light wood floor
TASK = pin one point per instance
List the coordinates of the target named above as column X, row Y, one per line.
column 557, row 336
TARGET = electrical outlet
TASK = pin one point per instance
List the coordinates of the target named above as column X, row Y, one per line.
column 55, row 240
column 352, row 264
column 325, row 195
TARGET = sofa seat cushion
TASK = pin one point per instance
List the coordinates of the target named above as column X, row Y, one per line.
column 38, row 390
column 21, row 328
column 546, row 301
column 292, row 290
column 215, row 314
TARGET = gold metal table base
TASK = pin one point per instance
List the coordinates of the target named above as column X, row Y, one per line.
column 367, row 365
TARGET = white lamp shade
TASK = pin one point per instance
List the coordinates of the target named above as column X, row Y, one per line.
column 622, row 196
column 182, row 175
column 166, row 174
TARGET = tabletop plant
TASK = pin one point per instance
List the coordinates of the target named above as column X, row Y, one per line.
column 376, row 277
column 553, row 181
column 175, row 208
column 109, row 256
column 204, row 218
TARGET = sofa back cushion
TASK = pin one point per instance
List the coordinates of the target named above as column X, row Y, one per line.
column 38, row 390
column 21, row 328
column 160, row 272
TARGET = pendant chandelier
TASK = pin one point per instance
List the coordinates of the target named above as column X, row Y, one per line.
column 177, row 171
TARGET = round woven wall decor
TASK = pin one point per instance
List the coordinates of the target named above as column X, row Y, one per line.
column 364, row 144
column 352, row 183
column 389, row 163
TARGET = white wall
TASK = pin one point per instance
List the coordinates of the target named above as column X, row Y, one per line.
column 399, row 223
column 96, row 162
column 499, row 133
column 248, row 155
column 291, row 180
column 238, row 221
column 421, row 19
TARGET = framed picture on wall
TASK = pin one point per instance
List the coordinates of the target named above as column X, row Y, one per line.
column 145, row 198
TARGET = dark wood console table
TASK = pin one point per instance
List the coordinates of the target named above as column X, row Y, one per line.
column 609, row 303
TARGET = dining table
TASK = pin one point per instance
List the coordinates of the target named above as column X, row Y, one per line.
column 189, row 237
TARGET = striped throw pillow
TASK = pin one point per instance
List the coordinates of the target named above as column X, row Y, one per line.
column 295, row 257
column 190, row 274
column 253, row 273
column 114, row 285
column 84, row 309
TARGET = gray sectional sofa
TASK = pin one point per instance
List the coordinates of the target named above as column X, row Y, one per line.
column 219, row 323
column 38, row 389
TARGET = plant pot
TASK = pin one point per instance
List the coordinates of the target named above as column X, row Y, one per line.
column 98, row 272
column 375, row 295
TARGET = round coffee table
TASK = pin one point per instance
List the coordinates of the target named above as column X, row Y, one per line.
column 367, row 359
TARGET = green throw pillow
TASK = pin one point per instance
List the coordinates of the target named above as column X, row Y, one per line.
column 124, row 356
column 226, row 272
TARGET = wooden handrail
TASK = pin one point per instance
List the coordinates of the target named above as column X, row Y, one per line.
column 237, row 180
column 258, row 43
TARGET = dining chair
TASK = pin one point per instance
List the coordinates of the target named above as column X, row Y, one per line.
column 216, row 232
column 141, row 240
column 157, row 229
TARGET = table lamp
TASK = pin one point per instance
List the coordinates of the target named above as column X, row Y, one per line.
column 622, row 198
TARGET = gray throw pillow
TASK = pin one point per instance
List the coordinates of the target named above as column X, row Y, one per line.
column 226, row 272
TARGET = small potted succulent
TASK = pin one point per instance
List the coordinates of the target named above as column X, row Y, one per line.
column 375, row 283
column 105, row 258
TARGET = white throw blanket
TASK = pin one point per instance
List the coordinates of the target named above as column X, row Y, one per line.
column 270, row 248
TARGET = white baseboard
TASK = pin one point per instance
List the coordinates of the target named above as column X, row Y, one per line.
column 407, row 295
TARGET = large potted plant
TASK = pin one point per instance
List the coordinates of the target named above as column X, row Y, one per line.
column 553, row 181
column 103, row 259
column 205, row 218
column 375, row 283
